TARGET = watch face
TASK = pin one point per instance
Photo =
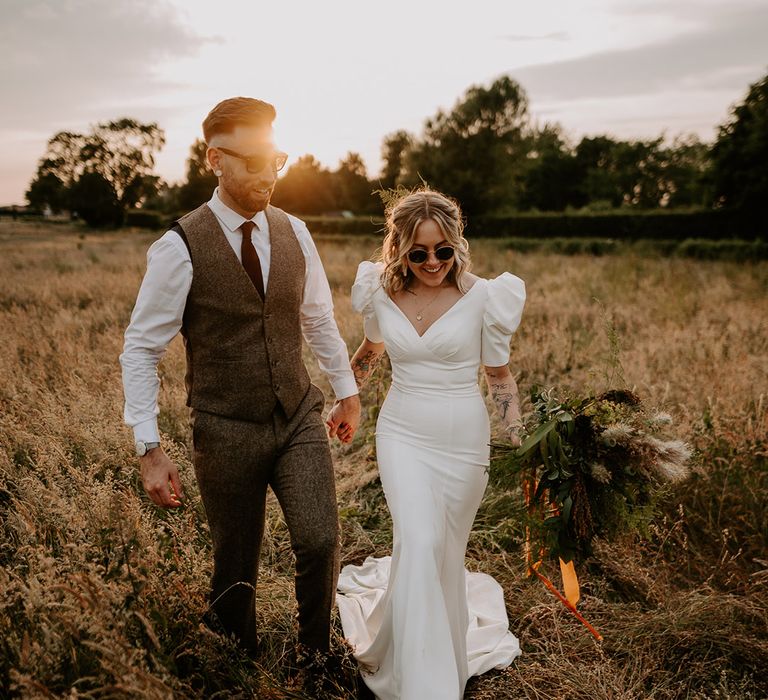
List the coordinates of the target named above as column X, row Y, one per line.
column 141, row 448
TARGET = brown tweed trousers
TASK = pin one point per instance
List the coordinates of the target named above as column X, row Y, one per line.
column 257, row 422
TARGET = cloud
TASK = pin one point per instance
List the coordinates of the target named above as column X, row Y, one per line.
column 702, row 11
column 552, row 36
column 70, row 57
column 728, row 49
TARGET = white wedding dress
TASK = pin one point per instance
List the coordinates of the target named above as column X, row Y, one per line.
column 419, row 623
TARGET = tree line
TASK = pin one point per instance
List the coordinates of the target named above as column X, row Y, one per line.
column 486, row 151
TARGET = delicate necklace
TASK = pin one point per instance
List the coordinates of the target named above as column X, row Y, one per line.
column 419, row 314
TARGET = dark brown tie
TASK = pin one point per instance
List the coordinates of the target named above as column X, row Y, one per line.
column 251, row 261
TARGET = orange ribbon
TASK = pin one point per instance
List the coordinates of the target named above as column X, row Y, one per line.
column 567, row 570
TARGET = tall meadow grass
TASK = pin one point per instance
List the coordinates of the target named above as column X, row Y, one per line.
column 102, row 593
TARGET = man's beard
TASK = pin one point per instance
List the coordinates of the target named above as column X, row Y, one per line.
column 249, row 200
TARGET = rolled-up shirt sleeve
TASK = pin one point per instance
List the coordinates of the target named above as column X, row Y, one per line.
column 155, row 321
column 318, row 324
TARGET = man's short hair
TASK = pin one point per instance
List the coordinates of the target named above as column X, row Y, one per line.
column 228, row 114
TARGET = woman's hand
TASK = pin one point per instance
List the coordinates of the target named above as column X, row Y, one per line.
column 514, row 432
column 344, row 418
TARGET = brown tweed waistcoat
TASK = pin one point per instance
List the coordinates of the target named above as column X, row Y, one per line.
column 243, row 355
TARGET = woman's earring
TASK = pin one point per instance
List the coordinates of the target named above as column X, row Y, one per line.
column 217, row 173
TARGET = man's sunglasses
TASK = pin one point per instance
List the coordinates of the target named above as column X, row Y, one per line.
column 419, row 256
column 255, row 164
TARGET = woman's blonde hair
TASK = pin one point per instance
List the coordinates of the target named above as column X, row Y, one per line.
column 404, row 213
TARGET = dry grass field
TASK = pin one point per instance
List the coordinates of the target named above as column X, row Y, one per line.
column 101, row 593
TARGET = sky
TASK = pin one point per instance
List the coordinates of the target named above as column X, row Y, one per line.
column 343, row 74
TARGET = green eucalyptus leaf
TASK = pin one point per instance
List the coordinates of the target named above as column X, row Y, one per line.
column 555, row 448
column 544, row 452
column 565, row 489
column 567, row 505
column 533, row 439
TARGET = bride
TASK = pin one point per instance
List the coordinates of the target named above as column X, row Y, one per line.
column 419, row 623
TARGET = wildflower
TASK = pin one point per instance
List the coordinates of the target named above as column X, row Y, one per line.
column 659, row 419
column 671, row 471
column 599, row 473
column 617, row 434
column 672, row 458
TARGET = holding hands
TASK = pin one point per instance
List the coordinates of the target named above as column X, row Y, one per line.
column 344, row 418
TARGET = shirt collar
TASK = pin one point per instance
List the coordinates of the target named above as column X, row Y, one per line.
column 230, row 218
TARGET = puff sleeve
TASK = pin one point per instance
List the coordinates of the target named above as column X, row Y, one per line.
column 367, row 281
column 503, row 310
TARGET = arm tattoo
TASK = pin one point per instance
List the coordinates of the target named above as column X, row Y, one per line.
column 505, row 397
column 363, row 366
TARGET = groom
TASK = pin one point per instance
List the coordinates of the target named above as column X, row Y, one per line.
column 243, row 282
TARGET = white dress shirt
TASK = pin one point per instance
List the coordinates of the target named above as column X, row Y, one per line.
column 157, row 315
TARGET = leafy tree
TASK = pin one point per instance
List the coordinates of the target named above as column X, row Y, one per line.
column 353, row 190
column 624, row 173
column 394, row 151
column 596, row 167
column 121, row 152
column 306, row 188
column 165, row 198
column 63, row 157
column 477, row 151
column 639, row 172
column 740, row 154
column 686, row 170
column 57, row 170
column 95, row 200
column 200, row 181
column 47, row 190
column 551, row 182
column 642, row 174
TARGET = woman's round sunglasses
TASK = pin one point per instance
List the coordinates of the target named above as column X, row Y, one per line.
column 419, row 256
column 256, row 163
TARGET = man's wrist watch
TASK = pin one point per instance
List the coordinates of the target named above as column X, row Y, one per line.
column 143, row 447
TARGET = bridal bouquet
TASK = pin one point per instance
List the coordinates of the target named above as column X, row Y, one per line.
column 590, row 466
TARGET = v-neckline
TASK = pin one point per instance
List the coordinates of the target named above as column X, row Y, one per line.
column 439, row 318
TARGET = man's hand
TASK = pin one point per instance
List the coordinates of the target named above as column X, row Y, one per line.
column 344, row 418
column 156, row 471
